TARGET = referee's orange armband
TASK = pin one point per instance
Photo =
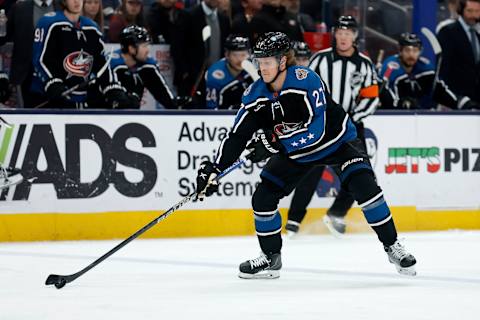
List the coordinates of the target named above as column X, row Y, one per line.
column 369, row 92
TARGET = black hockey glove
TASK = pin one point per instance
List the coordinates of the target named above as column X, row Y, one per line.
column 54, row 90
column 263, row 147
column 206, row 183
column 408, row 103
column 470, row 104
column 4, row 89
column 182, row 101
column 118, row 99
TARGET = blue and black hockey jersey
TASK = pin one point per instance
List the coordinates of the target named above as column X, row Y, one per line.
column 68, row 52
column 144, row 75
column 309, row 125
column 413, row 90
column 224, row 91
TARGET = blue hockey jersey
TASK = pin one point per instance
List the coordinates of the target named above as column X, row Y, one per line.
column 68, row 52
column 413, row 90
column 309, row 125
column 224, row 91
column 145, row 74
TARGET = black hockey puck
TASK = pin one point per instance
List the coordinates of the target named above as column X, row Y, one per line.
column 60, row 284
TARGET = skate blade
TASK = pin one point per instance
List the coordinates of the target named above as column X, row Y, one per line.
column 268, row 274
column 407, row 271
column 329, row 225
column 13, row 180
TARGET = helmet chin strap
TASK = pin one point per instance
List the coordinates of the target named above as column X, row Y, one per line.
column 134, row 56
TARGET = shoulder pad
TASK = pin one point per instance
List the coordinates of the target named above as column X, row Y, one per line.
column 424, row 60
column 364, row 56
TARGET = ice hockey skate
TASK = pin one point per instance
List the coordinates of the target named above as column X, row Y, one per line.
column 335, row 225
column 9, row 177
column 263, row 267
column 403, row 261
column 292, row 228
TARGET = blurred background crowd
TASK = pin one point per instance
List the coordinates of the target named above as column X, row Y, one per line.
column 184, row 54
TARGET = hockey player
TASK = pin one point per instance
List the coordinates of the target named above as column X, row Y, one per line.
column 135, row 70
column 412, row 80
column 302, row 53
column 68, row 51
column 225, row 79
column 307, row 129
column 351, row 79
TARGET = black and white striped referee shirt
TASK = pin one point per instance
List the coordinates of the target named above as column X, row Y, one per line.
column 351, row 81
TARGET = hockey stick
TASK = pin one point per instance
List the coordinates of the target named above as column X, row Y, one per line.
column 249, row 67
column 392, row 65
column 437, row 50
column 206, row 33
column 85, row 83
column 60, row 281
column 378, row 65
column 8, row 125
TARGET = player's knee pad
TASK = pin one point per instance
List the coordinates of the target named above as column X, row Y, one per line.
column 370, row 198
column 266, row 196
column 268, row 220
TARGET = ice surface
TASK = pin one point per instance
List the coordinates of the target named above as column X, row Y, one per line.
column 323, row 278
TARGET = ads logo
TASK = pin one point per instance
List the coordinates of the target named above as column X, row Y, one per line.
column 415, row 160
column 37, row 154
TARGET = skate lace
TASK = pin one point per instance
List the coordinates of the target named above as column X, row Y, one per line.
column 398, row 251
column 257, row 262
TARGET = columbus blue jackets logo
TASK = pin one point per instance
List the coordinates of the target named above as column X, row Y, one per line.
column 287, row 128
column 301, row 73
column 78, row 64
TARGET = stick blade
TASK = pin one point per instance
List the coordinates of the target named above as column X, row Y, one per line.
column 437, row 49
column 57, row 280
column 248, row 66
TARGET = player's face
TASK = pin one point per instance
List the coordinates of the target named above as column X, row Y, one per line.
column 74, row 6
column 409, row 55
column 143, row 49
column 268, row 68
column 91, row 7
column 302, row 61
column 344, row 39
column 471, row 13
column 235, row 59
column 133, row 7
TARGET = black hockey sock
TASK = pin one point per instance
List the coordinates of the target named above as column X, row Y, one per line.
column 386, row 233
column 270, row 244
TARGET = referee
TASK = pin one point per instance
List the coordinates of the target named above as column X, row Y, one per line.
column 352, row 82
